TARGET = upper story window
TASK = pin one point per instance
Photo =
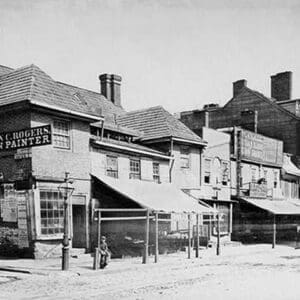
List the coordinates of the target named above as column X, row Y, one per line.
column 275, row 174
column 225, row 173
column 253, row 174
column 156, row 172
column 61, row 134
column 184, row 157
column 135, row 169
column 265, row 175
column 207, row 170
column 112, row 166
column 52, row 212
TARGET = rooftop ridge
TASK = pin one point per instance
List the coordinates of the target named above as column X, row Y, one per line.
column 81, row 88
column 144, row 109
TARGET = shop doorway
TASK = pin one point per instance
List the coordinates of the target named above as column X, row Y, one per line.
column 79, row 226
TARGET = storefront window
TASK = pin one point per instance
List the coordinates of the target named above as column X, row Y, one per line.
column 112, row 166
column 156, row 174
column 52, row 212
column 135, row 169
column 61, row 134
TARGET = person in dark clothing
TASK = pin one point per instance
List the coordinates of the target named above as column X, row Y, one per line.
column 104, row 252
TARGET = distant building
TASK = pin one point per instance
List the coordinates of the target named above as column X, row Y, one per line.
column 277, row 117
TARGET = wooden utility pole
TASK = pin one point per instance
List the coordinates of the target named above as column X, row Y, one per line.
column 197, row 235
column 156, row 238
column 274, row 231
column 218, row 234
column 97, row 249
column 189, row 236
column 146, row 245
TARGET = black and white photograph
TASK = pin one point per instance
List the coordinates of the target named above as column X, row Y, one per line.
column 149, row 149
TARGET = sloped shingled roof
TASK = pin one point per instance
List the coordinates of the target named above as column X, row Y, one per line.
column 97, row 102
column 5, row 70
column 155, row 123
column 32, row 84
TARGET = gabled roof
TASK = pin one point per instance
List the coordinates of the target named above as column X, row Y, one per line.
column 156, row 123
column 261, row 96
column 31, row 84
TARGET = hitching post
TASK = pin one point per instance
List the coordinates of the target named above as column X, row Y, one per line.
column 146, row 247
column 156, row 238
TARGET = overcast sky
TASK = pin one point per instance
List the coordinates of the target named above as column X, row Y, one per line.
column 179, row 54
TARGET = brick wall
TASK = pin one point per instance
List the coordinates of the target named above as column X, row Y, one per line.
column 8, row 165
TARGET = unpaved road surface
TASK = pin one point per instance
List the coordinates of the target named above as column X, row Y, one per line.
column 246, row 272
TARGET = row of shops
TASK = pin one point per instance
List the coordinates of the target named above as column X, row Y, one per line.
column 118, row 162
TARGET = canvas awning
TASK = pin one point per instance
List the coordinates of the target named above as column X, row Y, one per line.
column 162, row 197
column 276, row 207
column 289, row 167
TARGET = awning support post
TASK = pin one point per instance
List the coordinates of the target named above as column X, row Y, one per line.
column 197, row 235
column 189, row 236
column 97, row 249
column 218, row 234
column 156, row 238
column 274, row 231
column 146, row 246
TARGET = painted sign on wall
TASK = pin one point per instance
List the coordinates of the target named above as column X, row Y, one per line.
column 262, row 149
column 31, row 137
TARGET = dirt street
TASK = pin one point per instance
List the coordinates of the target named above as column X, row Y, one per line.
column 246, row 272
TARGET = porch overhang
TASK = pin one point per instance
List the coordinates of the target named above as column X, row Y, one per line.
column 275, row 207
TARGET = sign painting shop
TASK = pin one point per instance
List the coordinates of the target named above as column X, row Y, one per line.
column 31, row 137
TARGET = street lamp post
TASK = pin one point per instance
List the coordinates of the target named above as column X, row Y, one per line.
column 66, row 190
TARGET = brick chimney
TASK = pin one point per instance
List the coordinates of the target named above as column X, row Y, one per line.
column 281, row 86
column 111, row 87
column 238, row 86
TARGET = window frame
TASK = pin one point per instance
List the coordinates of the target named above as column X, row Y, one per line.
column 110, row 171
column 60, row 134
column 156, row 175
column 185, row 157
column 60, row 213
column 134, row 174
column 207, row 171
column 225, row 172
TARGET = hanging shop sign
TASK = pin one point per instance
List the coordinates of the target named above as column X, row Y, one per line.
column 31, row 137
